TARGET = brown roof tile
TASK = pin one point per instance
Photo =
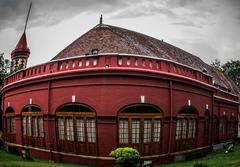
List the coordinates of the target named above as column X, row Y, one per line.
column 111, row 39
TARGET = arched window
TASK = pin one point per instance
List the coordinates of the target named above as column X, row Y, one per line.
column 32, row 126
column 140, row 126
column 186, row 128
column 10, row 125
column 76, row 127
column 223, row 128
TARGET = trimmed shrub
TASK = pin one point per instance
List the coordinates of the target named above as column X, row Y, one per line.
column 126, row 157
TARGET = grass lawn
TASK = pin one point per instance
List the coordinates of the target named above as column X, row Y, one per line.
column 215, row 159
column 11, row 160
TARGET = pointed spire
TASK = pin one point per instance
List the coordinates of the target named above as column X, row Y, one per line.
column 21, row 48
column 101, row 19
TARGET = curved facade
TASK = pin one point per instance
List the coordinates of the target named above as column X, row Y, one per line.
column 80, row 106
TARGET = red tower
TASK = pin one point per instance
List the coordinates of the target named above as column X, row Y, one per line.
column 20, row 54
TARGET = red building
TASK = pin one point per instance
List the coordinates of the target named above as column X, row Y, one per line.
column 114, row 87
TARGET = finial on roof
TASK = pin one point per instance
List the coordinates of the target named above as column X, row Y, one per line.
column 100, row 22
column 25, row 27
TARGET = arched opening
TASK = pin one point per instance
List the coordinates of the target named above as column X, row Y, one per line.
column 32, row 126
column 215, row 129
column 223, row 128
column 140, row 127
column 232, row 125
column 186, row 128
column 76, row 129
column 206, row 127
column 10, row 125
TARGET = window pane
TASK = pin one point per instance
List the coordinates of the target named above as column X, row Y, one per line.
column 194, row 128
column 24, row 126
column 147, row 130
column 135, row 130
column 184, row 129
column 13, row 125
column 157, row 130
column 178, row 129
column 60, row 128
column 8, row 125
column 35, row 126
column 91, row 130
column 29, row 128
column 40, row 126
column 190, row 129
column 123, row 131
column 80, row 130
column 69, row 129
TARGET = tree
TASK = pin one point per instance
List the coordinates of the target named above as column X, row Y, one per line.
column 216, row 64
column 4, row 69
column 231, row 69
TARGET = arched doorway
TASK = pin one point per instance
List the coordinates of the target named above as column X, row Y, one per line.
column 76, row 129
column 186, row 128
column 32, row 126
column 140, row 127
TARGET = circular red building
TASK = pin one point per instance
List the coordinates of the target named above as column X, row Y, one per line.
column 112, row 88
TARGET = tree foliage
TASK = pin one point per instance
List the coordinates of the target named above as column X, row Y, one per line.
column 126, row 157
column 4, row 69
column 231, row 69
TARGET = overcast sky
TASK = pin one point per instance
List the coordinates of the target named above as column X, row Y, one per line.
column 209, row 29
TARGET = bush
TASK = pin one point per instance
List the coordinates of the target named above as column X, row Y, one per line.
column 199, row 164
column 126, row 157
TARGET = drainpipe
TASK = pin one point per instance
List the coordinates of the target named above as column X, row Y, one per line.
column 171, row 117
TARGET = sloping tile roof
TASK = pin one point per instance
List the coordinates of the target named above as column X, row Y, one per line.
column 111, row 39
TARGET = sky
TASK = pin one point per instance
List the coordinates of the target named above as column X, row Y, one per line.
column 209, row 29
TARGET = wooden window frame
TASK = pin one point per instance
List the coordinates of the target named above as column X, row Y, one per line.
column 33, row 132
column 146, row 146
column 10, row 125
column 87, row 146
column 186, row 136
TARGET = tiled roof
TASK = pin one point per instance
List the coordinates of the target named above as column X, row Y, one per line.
column 111, row 39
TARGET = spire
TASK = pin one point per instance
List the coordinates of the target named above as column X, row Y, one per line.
column 21, row 48
column 21, row 53
column 100, row 22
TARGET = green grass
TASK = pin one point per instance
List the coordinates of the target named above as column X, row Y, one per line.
column 215, row 159
column 11, row 160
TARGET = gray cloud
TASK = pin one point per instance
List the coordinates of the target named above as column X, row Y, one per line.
column 186, row 23
column 145, row 9
column 49, row 12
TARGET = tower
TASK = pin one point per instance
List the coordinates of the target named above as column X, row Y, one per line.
column 21, row 53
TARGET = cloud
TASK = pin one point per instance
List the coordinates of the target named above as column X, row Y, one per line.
column 187, row 24
column 50, row 12
column 145, row 9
